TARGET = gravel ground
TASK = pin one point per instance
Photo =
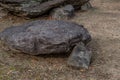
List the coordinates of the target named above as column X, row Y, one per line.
column 103, row 22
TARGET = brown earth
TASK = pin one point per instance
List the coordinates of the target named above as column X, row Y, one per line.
column 103, row 22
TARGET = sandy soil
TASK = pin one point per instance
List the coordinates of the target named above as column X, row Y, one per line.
column 103, row 22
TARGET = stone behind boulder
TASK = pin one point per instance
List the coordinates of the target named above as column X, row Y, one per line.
column 63, row 13
column 44, row 37
column 34, row 8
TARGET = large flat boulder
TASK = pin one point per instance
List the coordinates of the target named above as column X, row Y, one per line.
column 44, row 37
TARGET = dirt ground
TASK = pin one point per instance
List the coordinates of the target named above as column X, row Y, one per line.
column 103, row 22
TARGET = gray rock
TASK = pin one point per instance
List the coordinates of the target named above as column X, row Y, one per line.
column 63, row 13
column 69, row 8
column 34, row 8
column 80, row 57
column 46, row 37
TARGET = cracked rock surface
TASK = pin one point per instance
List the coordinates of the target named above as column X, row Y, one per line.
column 45, row 37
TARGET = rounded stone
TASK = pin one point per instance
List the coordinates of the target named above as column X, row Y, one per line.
column 45, row 37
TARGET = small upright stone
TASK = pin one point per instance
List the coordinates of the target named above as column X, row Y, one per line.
column 80, row 57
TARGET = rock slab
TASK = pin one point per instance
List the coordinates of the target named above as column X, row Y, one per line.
column 44, row 37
